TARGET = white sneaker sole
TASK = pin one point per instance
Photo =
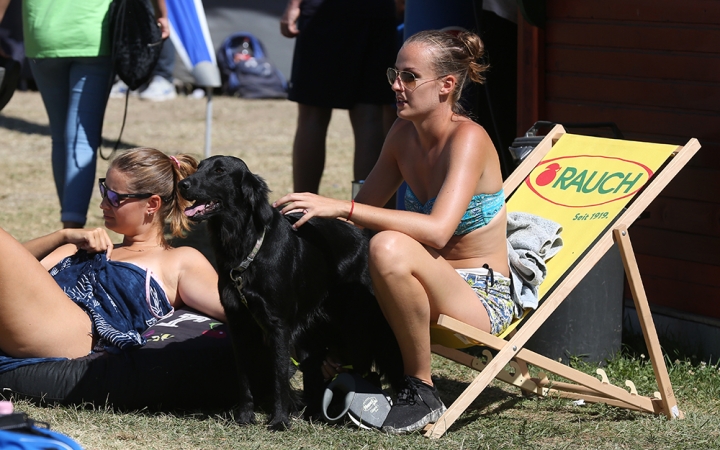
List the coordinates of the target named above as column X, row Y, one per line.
column 432, row 417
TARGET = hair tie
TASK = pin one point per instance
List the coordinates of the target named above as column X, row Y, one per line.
column 175, row 160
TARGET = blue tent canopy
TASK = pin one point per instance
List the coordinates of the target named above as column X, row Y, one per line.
column 191, row 37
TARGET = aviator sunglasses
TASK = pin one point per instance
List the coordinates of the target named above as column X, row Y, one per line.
column 407, row 79
column 113, row 197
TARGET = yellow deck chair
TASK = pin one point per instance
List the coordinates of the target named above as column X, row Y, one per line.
column 556, row 181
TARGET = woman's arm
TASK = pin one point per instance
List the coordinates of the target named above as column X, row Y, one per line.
column 463, row 169
column 50, row 249
column 198, row 283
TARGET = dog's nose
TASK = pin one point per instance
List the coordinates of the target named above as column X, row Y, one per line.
column 184, row 185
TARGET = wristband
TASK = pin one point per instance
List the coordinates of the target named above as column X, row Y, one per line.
column 352, row 207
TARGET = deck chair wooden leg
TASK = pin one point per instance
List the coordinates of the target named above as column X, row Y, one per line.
column 646, row 323
column 586, row 385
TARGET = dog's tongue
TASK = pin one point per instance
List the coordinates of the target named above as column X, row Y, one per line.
column 192, row 210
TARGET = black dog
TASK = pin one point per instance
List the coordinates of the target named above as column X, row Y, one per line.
column 287, row 293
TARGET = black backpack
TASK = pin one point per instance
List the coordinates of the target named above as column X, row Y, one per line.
column 136, row 40
column 246, row 71
column 136, row 46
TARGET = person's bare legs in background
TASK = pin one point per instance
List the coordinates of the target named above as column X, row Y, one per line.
column 309, row 147
column 369, row 132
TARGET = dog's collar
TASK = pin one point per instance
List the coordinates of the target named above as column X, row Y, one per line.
column 246, row 263
column 236, row 273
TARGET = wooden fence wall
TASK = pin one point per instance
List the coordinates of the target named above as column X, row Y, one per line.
column 653, row 68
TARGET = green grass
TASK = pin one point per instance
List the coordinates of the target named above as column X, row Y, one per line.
column 500, row 418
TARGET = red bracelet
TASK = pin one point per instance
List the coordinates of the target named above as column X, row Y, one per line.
column 352, row 207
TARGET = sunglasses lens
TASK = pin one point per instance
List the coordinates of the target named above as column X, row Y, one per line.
column 113, row 198
column 110, row 195
column 408, row 79
column 391, row 75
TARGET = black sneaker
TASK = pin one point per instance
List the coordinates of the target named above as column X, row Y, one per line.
column 417, row 405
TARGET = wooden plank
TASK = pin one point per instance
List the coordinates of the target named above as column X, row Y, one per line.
column 666, row 11
column 585, row 383
column 707, row 158
column 685, row 66
column 676, row 245
column 636, row 119
column 695, row 183
column 530, row 76
column 677, row 269
column 678, row 95
column 683, row 215
column 633, row 35
column 646, row 323
column 683, row 296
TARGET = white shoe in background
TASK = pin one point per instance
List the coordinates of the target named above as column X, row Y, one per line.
column 119, row 89
column 159, row 90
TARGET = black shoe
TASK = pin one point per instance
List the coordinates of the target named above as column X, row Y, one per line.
column 417, row 405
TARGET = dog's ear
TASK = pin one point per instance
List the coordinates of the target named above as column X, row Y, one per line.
column 255, row 191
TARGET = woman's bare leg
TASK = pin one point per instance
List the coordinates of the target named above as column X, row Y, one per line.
column 413, row 288
column 37, row 319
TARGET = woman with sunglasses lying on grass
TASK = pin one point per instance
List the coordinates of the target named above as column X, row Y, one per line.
column 446, row 253
column 97, row 295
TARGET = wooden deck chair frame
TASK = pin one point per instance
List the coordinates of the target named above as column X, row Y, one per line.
column 511, row 352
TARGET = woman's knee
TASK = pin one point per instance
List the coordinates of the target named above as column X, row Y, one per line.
column 389, row 251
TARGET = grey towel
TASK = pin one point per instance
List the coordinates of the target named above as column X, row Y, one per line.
column 531, row 241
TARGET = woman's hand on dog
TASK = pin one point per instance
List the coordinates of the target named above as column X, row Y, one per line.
column 313, row 205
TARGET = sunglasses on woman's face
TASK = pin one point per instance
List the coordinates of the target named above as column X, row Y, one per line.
column 113, row 197
column 407, row 79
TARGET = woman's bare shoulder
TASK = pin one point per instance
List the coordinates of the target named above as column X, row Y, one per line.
column 400, row 128
column 186, row 255
column 471, row 136
column 466, row 128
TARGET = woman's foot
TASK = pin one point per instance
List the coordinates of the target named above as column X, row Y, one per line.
column 417, row 405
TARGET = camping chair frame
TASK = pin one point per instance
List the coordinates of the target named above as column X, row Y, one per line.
column 511, row 352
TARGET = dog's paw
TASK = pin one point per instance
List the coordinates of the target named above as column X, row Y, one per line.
column 279, row 423
column 244, row 417
column 313, row 416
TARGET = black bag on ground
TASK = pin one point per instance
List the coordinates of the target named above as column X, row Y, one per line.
column 246, row 71
column 136, row 40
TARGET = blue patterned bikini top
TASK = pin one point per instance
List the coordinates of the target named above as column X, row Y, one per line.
column 480, row 211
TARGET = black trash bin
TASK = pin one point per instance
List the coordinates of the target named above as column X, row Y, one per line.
column 588, row 324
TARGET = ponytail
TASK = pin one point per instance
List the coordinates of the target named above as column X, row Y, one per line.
column 150, row 170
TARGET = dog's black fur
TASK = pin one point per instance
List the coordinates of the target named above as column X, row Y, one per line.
column 306, row 290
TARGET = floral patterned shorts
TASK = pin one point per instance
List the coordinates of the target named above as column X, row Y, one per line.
column 493, row 290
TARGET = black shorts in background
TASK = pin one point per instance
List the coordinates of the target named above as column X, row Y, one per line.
column 342, row 53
